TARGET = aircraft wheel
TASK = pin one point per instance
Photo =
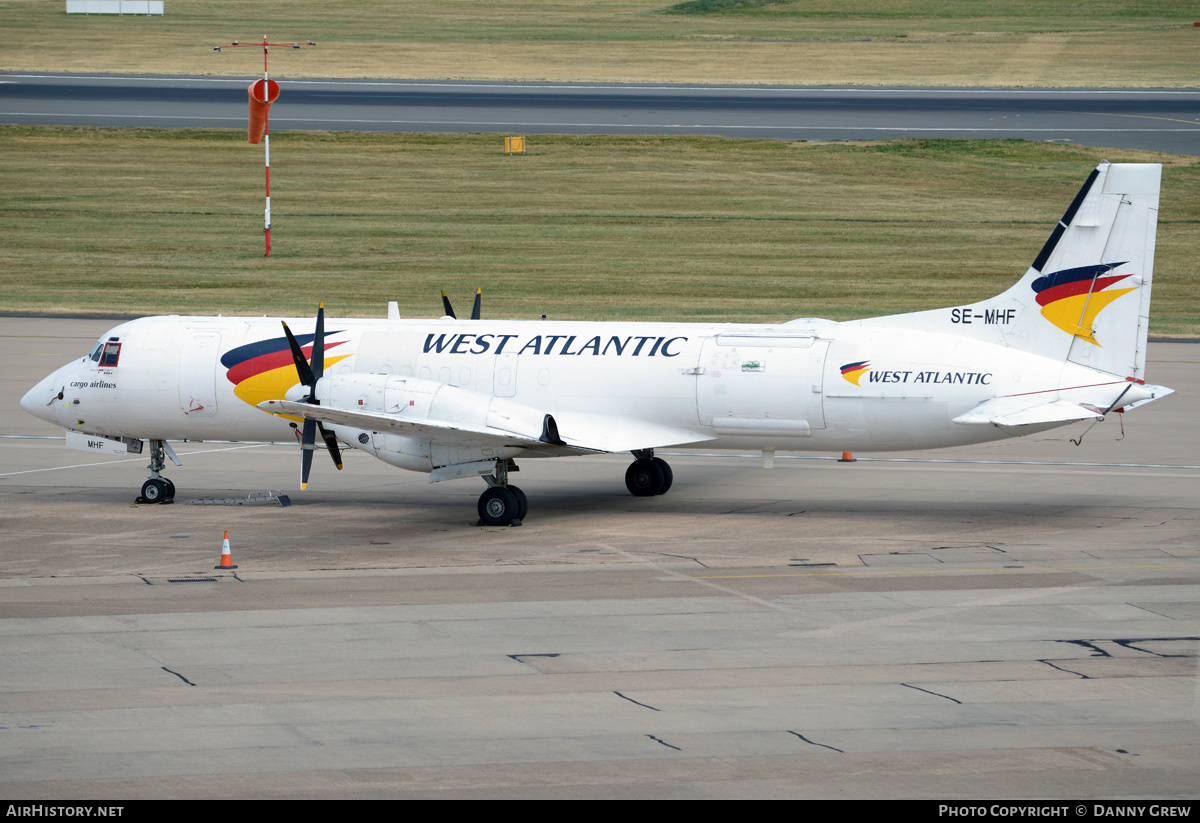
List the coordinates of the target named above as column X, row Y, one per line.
column 668, row 475
column 153, row 491
column 497, row 507
column 170, row 492
column 644, row 478
column 522, row 502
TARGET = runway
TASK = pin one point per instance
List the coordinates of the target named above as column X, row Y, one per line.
column 1155, row 119
column 1025, row 627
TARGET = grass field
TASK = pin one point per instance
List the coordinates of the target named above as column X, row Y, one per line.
column 871, row 42
column 679, row 228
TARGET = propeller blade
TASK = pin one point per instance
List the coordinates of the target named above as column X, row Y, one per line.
column 309, row 375
column 475, row 308
column 446, row 305
column 306, row 444
column 331, row 444
column 318, row 351
column 302, row 367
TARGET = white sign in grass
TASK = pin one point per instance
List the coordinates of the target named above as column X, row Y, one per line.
column 115, row 7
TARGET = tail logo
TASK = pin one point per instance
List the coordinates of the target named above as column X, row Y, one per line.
column 1072, row 298
column 853, row 372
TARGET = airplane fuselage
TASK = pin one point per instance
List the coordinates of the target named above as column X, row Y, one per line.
column 821, row 388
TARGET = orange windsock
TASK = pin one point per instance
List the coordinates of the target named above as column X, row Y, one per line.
column 259, row 106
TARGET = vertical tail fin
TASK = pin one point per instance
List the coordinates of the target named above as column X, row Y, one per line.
column 1086, row 298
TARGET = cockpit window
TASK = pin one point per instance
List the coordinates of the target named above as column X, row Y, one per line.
column 95, row 355
column 110, row 356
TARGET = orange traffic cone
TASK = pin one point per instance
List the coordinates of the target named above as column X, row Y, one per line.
column 848, row 457
column 226, row 556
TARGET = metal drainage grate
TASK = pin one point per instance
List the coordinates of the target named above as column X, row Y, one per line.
column 253, row 498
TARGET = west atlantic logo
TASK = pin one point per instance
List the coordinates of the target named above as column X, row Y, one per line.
column 853, row 372
column 1071, row 298
column 265, row 370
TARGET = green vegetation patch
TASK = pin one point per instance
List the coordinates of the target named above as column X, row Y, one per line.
column 583, row 227
column 806, row 42
column 719, row 6
column 1085, row 13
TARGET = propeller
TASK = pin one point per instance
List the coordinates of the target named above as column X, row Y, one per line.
column 474, row 309
column 309, row 375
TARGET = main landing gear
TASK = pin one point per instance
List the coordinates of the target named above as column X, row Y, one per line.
column 159, row 489
column 506, row 505
column 648, row 475
column 502, row 504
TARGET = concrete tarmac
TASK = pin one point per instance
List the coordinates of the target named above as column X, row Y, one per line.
column 1017, row 620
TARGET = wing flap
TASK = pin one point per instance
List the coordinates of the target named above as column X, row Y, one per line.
column 607, row 433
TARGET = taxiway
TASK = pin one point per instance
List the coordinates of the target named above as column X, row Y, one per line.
column 1155, row 119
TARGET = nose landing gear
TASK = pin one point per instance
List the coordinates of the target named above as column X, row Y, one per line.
column 159, row 489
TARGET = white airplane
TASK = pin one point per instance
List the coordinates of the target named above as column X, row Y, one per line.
column 466, row 398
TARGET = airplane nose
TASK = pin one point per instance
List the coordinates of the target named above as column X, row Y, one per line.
column 37, row 400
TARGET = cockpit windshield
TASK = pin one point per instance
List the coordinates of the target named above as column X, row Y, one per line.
column 111, row 354
column 106, row 352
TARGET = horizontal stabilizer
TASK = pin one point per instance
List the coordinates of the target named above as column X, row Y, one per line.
column 1027, row 411
column 1155, row 392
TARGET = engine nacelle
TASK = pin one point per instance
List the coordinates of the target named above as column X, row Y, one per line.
column 427, row 400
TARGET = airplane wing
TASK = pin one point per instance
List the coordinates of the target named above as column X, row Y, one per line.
column 417, row 427
column 571, row 433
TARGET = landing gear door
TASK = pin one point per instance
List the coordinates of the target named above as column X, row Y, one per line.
column 198, row 373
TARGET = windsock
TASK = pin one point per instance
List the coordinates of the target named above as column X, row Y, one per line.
column 259, row 106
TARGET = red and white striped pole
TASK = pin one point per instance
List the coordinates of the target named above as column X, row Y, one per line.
column 267, row 146
column 262, row 94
